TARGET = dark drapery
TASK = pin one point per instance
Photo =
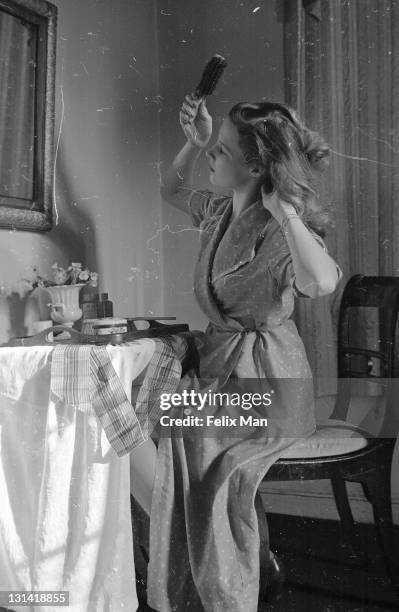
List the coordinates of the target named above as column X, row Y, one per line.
column 342, row 66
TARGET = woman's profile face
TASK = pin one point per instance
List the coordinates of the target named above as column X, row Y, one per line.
column 228, row 168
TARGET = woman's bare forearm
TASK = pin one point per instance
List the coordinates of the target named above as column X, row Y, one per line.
column 181, row 172
column 196, row 123
column 316, row 273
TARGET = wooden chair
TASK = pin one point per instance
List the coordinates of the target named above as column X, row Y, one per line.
column 368, row 349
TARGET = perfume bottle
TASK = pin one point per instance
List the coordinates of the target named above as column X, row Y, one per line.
column 105, row 307
column 89, row 305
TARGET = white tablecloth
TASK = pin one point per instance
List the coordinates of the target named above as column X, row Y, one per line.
column 65, row 506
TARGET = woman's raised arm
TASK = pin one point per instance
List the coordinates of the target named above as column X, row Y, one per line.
column 316, row 273
column 196, row 123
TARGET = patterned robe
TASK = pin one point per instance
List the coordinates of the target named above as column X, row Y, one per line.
column 204, row 544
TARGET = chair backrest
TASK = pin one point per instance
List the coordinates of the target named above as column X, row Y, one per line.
column 368, row 345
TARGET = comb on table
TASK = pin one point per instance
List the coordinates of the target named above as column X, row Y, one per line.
column 210, row 76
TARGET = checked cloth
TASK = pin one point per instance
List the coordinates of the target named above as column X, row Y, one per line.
column 83, row 376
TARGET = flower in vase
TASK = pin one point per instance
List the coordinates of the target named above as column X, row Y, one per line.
column 84, row 275
column 60, row 276
column 93, row 279
column 74, row 274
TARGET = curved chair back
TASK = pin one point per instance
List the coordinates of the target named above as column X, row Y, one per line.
column 367, row 335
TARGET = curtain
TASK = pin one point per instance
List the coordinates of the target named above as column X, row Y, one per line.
column 342, row 66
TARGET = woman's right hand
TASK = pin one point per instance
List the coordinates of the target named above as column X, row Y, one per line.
column 196, row 121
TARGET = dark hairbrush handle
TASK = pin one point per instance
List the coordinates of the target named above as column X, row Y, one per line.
column 210, row 76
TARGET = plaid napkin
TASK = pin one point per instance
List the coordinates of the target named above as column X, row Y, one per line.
column 71, row 377
column 162, row 376
column 84, row 377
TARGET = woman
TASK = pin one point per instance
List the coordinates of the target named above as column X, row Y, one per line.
column 260, row 246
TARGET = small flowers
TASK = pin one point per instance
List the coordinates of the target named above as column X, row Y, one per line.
column 84, row 275
column 72, row 275
column 93, row 279
column 60, row 276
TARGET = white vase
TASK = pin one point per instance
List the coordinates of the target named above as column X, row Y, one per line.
column 64, row 305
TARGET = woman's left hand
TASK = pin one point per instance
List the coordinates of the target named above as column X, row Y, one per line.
column 277, row 207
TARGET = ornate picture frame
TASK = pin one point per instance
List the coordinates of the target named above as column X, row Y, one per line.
column 33, row 210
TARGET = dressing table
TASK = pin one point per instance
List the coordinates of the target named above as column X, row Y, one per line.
column 68, row 422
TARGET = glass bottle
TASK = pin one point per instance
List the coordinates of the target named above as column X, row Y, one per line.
column 105, row 307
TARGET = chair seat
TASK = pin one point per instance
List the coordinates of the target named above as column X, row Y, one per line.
column 333, row 437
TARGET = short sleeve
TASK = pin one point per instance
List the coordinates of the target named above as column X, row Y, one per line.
column 282, row 269
column 201, row 203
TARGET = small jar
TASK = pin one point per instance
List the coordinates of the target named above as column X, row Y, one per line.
column 111, row 330
column 88, row 326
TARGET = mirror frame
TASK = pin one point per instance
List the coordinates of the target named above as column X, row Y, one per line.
column 44, row 16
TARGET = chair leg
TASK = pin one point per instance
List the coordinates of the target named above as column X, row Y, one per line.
column 345, row 513
column 377, row 489
column 264, row 555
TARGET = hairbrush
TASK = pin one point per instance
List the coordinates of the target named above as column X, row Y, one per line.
column 212, row 73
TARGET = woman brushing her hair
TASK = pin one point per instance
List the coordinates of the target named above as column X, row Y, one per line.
column 261, row 246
